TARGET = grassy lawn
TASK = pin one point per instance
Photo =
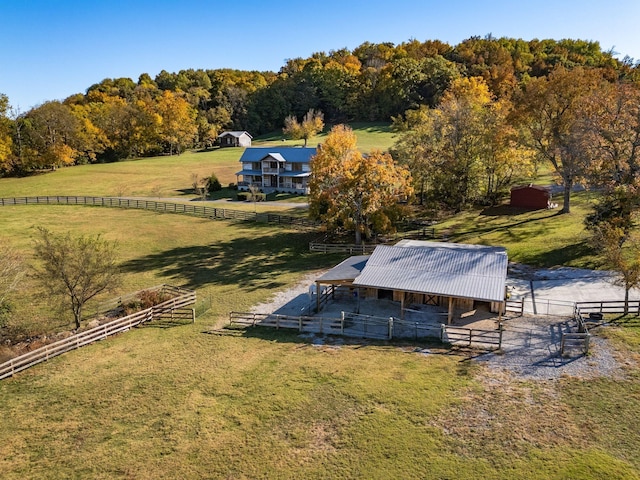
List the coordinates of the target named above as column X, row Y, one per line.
column 183, row 403
column 376, row 135
column 235, row 263
column 542, row 238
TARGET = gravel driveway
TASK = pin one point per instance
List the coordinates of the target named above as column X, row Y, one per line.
column 531, row 350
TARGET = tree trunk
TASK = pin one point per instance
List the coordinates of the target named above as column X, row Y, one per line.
column 77, row 314
column 568, row 186
column 358, row 236
column 626, row 299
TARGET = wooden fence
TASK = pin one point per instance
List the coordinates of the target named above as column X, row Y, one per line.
column 609, row 306
column 365, row 326
column 109, row 306
column 580, row 339
column 514, row 306
column 163, row 207
column 351, row 249
column 175, row 308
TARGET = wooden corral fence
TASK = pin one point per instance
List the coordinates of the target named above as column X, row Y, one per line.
column 163, row 207
column 175, row 308
column 365, row 326
column 325, row 295
column 289, row 220
column 514, row 306
column 351, row 249
column 109, row 306
column 365, row 249
column 576, row 340
column 609, row 306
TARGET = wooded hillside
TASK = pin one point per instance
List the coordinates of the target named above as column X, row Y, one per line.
column 121, row 118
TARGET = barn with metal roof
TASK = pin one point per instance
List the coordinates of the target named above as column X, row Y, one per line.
column 457, row 276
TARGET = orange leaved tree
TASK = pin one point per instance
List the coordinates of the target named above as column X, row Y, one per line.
column 357, row 192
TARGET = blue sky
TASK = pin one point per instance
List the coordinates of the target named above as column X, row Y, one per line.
column 50, row 49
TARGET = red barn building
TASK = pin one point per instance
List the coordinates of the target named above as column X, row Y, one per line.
column 530, row 196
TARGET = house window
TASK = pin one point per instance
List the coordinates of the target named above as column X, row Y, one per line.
column 288, row 167
column 306, row 167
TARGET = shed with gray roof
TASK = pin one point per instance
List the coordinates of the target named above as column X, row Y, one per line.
column 235, row 139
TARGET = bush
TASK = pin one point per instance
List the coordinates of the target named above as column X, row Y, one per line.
column 145, row 299
column 258, row 197
column 233, row 186
column 242, row 196
column 214, row 184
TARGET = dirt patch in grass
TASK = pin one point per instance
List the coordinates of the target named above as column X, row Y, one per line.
column 507, row 415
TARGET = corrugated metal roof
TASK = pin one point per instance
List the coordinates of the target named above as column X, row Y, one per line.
column 289, row 154
column 452, row 270
column 346, row 270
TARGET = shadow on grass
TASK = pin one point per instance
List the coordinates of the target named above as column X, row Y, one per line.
column 225, row 193
column 167, row 323
column 311, row 339
column 252, row 262
column 508, row 210
column 577, row 251
column 481, row 230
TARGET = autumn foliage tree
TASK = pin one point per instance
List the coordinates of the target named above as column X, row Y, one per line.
column 552, row 109
column 357, row 192
column 465, row 150
column 312, row 123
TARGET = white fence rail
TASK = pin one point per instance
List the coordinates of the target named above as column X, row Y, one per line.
column 44, row 353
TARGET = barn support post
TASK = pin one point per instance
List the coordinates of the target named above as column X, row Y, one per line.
column 317, row 297
column 450, row 312
column 402, row 306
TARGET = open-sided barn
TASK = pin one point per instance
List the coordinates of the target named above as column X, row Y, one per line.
column 457, row 276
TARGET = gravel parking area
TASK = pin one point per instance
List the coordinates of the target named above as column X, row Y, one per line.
column 531, row 350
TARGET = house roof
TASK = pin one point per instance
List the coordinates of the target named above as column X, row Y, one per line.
column 235, row 134
column 447, row 269
column 349, row 269
column 288, row 154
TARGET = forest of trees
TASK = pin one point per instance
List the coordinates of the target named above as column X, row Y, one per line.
column 419, row 85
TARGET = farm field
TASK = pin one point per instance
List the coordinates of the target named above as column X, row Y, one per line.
column 191, row 402
column 167, row 176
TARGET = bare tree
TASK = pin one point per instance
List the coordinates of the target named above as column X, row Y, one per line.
column 75, row 269
column 200, row 186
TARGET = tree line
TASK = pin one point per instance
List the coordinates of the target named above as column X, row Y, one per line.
column 120, row 118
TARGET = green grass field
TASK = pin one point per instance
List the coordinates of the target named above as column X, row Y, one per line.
column 187, row 403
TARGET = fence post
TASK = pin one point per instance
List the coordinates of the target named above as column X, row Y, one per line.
column 193, row 315
column 390, row 328
column 587, row 340
column 320, row 324
column 442, row 330
column 500, row 330
column 342, row 323
column 470, row 334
